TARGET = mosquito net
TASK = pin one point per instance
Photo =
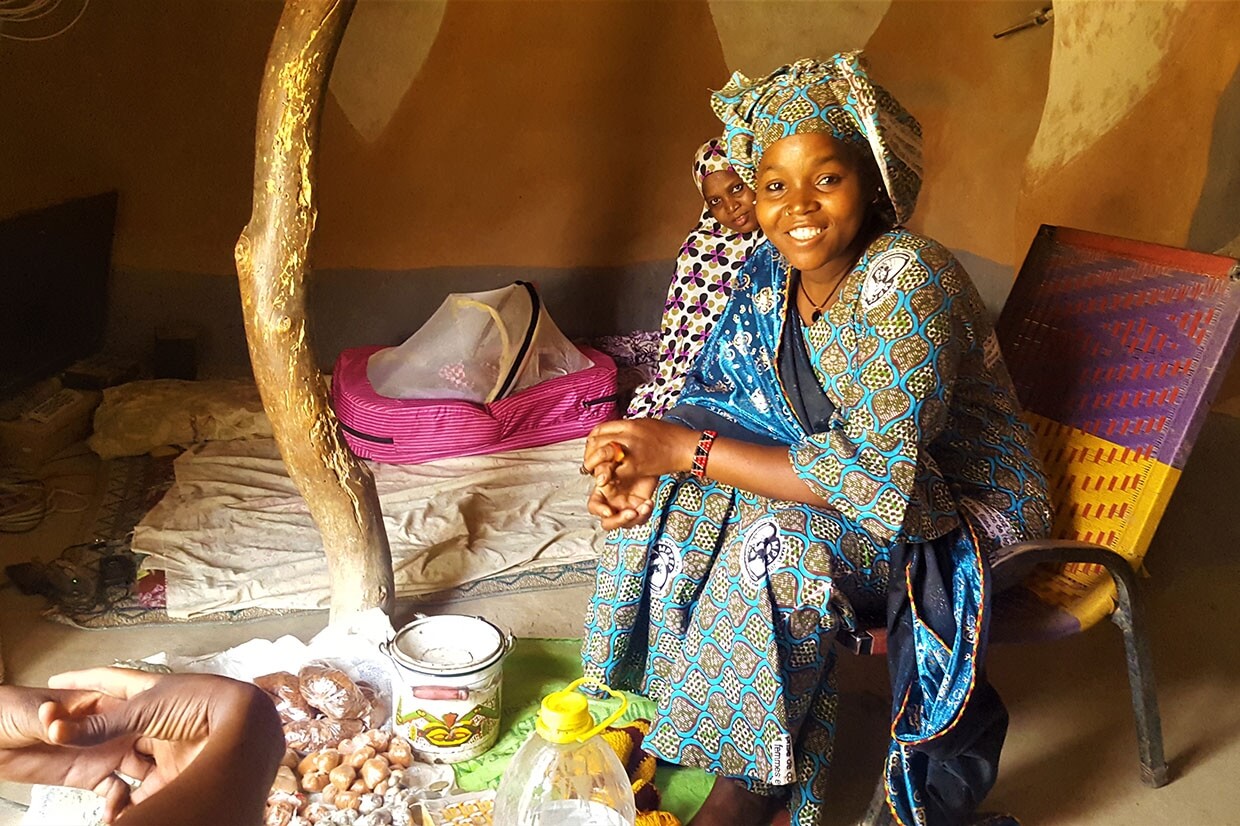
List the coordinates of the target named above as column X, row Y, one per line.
column 477, row 347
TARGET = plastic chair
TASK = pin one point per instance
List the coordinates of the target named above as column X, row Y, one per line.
column 1116, row 348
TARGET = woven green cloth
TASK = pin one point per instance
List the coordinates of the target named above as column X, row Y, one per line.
column 536, row 668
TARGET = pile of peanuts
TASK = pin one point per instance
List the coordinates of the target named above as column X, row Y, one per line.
column 360, row 781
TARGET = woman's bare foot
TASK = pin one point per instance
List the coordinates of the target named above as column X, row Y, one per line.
column 731, row 804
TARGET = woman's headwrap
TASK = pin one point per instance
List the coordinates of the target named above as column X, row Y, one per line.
column 711, row 157
column 836, row 97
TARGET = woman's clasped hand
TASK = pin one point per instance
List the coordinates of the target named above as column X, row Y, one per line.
column 626, row 457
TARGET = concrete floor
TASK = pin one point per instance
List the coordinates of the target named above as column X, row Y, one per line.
column 1071, row 753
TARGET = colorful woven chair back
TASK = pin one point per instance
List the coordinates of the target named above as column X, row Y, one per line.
column 1117, row 349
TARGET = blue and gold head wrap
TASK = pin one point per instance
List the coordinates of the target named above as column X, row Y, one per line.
column 833, row 96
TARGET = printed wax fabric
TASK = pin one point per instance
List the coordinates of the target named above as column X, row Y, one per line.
column 709, row 260
column 723, row 606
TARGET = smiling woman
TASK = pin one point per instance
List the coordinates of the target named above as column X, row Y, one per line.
column 853, row 447
column 814, row 194
column 729, row 200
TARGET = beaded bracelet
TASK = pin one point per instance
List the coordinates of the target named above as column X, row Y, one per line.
column 702, row 454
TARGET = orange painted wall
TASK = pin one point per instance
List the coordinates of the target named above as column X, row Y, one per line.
column 979, row 101
column 532, row 136
column 1143, row 176
column 538, row 133
column 558, row 134
column 152, row 98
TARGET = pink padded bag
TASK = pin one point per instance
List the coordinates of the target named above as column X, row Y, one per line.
column 410, row 431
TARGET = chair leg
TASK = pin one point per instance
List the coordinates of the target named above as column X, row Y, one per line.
column 1130, row 617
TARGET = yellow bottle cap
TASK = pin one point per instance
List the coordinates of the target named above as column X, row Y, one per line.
column 564, row 717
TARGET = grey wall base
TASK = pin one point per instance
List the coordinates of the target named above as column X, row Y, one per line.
column 354, row 308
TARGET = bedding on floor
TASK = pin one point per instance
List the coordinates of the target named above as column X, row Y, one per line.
column 233, row 532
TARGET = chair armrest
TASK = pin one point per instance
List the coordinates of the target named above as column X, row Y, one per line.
column 1010, row 569
column 1015, row 562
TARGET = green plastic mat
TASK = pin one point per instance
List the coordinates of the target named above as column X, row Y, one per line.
column 536, row 668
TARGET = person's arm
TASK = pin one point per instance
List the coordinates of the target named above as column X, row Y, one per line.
column 866, row 466
column 215, row 743
column 654, row 448
column 27, row 756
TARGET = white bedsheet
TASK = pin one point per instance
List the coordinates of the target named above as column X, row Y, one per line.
column 233, row 532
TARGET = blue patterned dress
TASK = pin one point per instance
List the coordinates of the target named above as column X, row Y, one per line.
column 722, row 608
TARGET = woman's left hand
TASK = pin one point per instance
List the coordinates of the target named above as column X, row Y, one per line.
column 626, row 457
column 623, row 504
column 628, row 449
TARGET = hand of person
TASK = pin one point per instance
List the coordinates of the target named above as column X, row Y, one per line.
column 623, row 504
column 227, row 732
column 626, row 457
column 628, row 449
column 27, row 755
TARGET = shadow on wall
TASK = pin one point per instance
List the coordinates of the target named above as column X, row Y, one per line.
column 1216, row 221
column 992, row 279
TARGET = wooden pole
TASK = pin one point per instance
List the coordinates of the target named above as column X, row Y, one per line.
column 272, row 255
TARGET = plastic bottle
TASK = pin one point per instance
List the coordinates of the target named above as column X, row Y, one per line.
column 565, row 774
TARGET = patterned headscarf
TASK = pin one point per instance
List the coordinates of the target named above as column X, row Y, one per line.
column 836, row 97
column 711, row 157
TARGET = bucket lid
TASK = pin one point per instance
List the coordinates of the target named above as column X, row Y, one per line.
column 449, row 644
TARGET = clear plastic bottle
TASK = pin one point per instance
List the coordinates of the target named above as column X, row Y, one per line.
column 565, row 774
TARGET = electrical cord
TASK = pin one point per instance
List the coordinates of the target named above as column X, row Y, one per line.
column 23, row 11
column 25, row 501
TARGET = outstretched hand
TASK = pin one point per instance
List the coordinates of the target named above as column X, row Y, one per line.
column 155, row 726
column 202, row 749
column 164, row 731
column 28, row 755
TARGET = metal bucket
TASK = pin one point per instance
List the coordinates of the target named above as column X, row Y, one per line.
column 451, row 675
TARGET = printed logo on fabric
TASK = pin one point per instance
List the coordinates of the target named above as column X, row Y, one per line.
column 762, row 547
column 881, row 279
column 783, row 767
column 665, row 564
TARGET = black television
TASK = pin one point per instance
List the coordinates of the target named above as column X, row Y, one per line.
column 54, row 266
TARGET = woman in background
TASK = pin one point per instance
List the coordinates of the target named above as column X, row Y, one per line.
column 709, row 260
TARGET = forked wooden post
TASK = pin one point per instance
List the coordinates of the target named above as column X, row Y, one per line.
column 272, row 255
